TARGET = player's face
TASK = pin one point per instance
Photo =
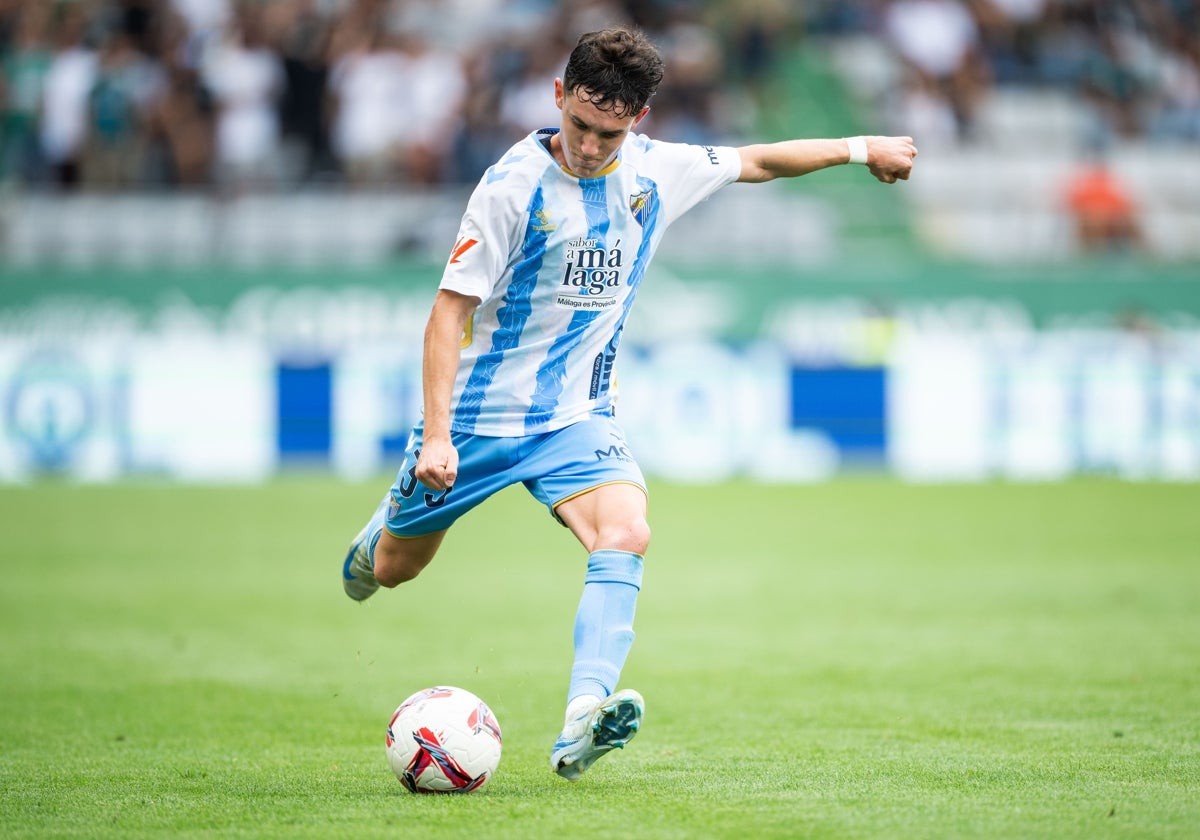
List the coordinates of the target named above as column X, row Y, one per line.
column 590, row 137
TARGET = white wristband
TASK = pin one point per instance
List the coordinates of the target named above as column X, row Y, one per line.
column 858, row 149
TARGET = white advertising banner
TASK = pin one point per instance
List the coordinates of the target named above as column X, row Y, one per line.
column 1045, row 406
column 196, row 409
column 945, row 406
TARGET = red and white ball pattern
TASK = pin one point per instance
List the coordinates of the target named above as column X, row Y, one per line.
column 443, row 740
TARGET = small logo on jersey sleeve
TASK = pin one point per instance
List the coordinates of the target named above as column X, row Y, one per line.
column 461, row 247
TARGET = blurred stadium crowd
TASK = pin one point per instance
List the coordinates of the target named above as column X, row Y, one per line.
column 1134, row 64
column 146, row 93
column 255, row 94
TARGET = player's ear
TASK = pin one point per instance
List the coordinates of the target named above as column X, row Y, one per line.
column 642, row 113
column 558, row 93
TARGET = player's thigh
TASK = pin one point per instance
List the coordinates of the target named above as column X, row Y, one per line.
column 609, row 516
column 588, row 471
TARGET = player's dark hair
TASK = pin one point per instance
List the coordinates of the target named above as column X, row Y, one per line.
column 617, row 70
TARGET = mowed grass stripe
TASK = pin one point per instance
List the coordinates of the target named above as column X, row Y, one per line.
column 856, row 659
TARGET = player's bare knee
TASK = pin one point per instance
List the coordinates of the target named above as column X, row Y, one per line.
column 639, row 537
column 632, row 536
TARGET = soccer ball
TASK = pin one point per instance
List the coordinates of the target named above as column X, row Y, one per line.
column 443, row 740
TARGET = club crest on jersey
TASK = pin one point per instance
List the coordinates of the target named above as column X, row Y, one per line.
column 641, row 205
column 592, row 274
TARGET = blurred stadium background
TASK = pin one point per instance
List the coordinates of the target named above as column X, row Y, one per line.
column 222, row 224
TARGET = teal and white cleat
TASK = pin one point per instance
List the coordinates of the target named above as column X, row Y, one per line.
column 609, row 725
column 358, row 576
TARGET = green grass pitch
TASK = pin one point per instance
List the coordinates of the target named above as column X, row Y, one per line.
column 858, row 659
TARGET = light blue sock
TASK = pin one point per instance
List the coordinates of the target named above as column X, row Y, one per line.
column 604, row 622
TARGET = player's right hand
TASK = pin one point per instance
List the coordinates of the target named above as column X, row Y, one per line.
column 437, row 465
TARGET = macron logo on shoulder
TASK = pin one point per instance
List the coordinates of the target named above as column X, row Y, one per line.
column 461, row 247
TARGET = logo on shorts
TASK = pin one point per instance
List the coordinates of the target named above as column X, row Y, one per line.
column 618, row 450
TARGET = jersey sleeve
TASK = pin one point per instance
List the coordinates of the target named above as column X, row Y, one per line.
column 692, row 173
column 481, row 250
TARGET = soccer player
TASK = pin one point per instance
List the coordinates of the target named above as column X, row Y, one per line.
column 521, row 341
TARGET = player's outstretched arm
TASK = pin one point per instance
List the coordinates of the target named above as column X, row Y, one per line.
column 437, row 465
column 888, row 158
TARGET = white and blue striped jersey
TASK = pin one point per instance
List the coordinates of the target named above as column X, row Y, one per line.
column 557, row 261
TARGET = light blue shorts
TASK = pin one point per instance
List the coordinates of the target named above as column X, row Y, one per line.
column 554, row 467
